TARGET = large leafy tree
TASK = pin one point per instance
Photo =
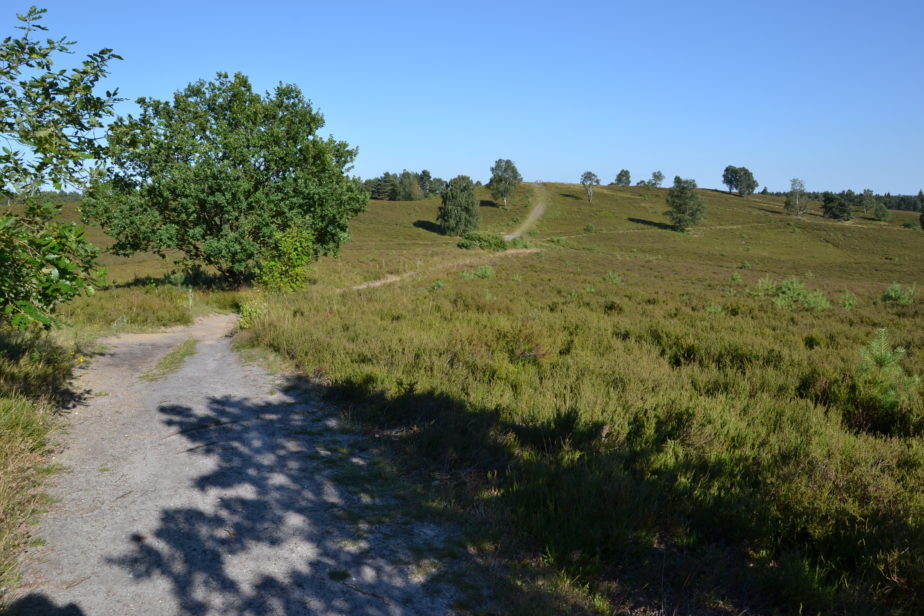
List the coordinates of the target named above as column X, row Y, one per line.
column 623, row 178
column 589, row 179
column 224, row 175
column 458, row 213
column 504, row 179
column 48, row 121
column 656, row 178
column 686, row 207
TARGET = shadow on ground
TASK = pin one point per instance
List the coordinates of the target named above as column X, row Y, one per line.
column 651, row 223
column 306, row 522
column 37, row 604
column 428, row 225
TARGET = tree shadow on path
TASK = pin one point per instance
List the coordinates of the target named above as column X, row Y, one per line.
column 301, row 520
column 37, row 604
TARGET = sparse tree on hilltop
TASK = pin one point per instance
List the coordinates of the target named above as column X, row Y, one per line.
column 227, row 176
column 656, row 178
column 459, row 212
column 730, row 178
column 589, row 179
column 623, row 178
column 746, row 182
column 504, row 179
column 686, row 207
column 795, row 203
column 868, row 201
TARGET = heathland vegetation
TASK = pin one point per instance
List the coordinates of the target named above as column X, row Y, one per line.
column 677, row 400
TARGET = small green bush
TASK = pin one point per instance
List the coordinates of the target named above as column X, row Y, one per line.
column 848, row 300
column 484, row 241
column 897, row 294
column 791, row 293
column 884, row 398
column 613, row 278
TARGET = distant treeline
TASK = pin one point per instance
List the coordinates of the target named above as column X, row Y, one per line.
column 49, row 196
column 911, row 203
column 404, row 186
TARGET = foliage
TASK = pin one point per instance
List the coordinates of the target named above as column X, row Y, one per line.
column 730, row 177
column 285, row 268
column 880, row 212
column 686, row 207
column 791, row 293
column 795, row 203
column 897, row 294
column 49, row 119
column 745, row 182
column 504, row 179
column 884, row 398
column 219, row 172
column 588, row 180
column 623, row 178
column 485, row 241
column 459, row 213
column 848, row 300
column 836, row 207
column 656, row 178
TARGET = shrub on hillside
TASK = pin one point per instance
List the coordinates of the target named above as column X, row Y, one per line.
column 484, row 241
column 897, row 294
column 791, row 293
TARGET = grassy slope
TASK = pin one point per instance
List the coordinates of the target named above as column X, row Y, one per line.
column 625, row 402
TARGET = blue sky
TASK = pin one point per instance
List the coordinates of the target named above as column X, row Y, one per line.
column 831, row 92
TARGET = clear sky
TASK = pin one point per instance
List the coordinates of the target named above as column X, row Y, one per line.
column 828, row 91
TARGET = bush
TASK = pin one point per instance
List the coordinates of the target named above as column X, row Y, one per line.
column 791, row 293
column 897, row 294
column 484, row 241
column 884, row 399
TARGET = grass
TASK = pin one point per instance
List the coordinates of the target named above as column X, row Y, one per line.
column 172, row 361
column 662, row 423
column 34, row 372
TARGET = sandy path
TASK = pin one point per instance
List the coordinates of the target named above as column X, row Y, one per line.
column 539, row 210
column 220, row 490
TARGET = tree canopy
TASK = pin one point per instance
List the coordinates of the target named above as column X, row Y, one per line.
column 589, row 179
column 686, row 207
column 49, row 118
column 504, row 179
column 459, row 213
column 656, row 178
column 623, row 178
column 836, row 207
column 222, row 173
column 795, row 203
column 739, row 179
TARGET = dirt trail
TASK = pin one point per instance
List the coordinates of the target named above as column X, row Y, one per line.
column 539, row 210
column 222, row 490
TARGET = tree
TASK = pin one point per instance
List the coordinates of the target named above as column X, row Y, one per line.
column 458, row 213
column 409, row 187
column 746, row 182
column 795, row 203
column 504, row 179
column 589, row 179
column 921, row 221
column 880, row 212
column 730, row 177
column 623, row 178
column 656, row 178
column 49, row 117
column 835, row 207
column 220, row 172
column 686, row 207
column 425, row 180
column 868, row 201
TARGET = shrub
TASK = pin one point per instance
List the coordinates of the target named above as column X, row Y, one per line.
column 884, row 398
column 848, row 300
column 897, row 294
column 791, row 293
column 482, row 240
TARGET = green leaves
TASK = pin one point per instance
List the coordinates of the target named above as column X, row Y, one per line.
column 49, row 117
column 219, row 172
column 458, row 213
column 505, row 177
column 686, row 207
